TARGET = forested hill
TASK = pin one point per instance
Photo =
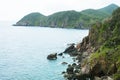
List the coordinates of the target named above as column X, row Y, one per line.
column 68, row 19
column 98, row 55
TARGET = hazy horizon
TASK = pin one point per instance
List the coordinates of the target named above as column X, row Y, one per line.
column 14, row 10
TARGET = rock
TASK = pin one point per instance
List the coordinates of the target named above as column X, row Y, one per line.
column 70, row 69
column 79, row 76
column 71, row 44
column 98, row 70
column 70, row 49
column 64, row 63
column 73, row 53
column 76, row 71
column 106, row 78
column 74, row 65
column 85, row 69
column 97, row 78
column 113, row 69
column 52, row 56
column 74, row 59
column 63, row 72
column 78, row 46
column 79, row 57
column 109, row 78
column 69, row 76
column 60, row 54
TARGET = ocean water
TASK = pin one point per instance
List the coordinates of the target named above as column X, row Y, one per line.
column 23, row 51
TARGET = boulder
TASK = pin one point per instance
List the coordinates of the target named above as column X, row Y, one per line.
column 52, row 56
column 70, row 69
column 106, row 78
column 68, row 76
column 63, row 72
column 97, row 78
column 74, row 65
column 64, row 63
column 60, row 54
column 70, row 49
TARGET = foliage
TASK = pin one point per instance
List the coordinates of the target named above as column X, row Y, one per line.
column 67, row 19
column 109, row 9
column 32, row 19
column 108, row 39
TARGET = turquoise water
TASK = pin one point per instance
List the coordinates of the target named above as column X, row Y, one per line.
column 23, row 51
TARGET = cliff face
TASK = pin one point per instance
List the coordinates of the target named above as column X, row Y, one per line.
column 103, row 47
column 98, row 54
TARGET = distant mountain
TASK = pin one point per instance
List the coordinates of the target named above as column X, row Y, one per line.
column 32, row 19
column 109, row 9
column 68, row 19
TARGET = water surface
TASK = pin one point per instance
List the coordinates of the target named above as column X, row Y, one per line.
column 23, row 51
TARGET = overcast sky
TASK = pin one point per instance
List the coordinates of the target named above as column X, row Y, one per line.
column 13, row 10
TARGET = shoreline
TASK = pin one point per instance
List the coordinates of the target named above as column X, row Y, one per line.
column 51, row 27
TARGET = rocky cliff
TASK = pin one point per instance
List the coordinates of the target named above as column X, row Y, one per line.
column 98, row 55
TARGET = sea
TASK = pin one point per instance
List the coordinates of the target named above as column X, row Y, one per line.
column 24, row 50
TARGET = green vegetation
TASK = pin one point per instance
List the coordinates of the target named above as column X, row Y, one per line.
column 68, row 19
column 32, row 19
column 109, row 9
column 108, row 40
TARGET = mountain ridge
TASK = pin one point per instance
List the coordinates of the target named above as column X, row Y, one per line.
column 67, row 19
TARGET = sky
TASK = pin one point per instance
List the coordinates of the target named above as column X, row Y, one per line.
column 14, row 10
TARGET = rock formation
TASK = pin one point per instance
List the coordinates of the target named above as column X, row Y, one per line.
column 98, row 54
column 52, row 56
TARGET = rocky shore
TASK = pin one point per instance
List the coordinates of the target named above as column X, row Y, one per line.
column 97, row 57
column 81, row 69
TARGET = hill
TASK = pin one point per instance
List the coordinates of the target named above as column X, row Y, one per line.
column 68, row 19
column 98, row 54
column 32, row 19
column 109, row 9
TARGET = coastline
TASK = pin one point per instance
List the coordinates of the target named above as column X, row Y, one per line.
column 51, row 27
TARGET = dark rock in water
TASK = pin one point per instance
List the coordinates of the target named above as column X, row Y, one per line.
column 70, row 49
column 74, row 59
column 52, row 56
column 70, row 69
column 69, row 76
column 74, row 64
column 73, row 53
column 64, row 63
column 71, row 44
column 63, row 72
column 60, row 54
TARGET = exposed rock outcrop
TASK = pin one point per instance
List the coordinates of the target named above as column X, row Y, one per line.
column 71, row 50
column 60, row 54
column 99, row 52
column 52, row 56
column 64, row 63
